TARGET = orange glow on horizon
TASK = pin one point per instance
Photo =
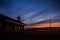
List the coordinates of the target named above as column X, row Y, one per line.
column 43, row 25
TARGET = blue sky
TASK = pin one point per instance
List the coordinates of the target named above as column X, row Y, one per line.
column 30, row 11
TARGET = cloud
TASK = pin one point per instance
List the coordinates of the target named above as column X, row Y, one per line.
column 30, row 10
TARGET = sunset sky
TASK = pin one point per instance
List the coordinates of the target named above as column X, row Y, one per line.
column 31, row 11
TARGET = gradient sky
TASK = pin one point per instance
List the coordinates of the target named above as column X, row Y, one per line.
column 31, row 11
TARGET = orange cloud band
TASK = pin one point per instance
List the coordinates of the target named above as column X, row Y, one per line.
column 43, row 25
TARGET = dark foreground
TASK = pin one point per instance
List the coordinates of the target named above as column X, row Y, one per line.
column 30, row 35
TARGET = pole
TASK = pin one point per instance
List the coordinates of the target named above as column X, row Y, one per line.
column 50, row 23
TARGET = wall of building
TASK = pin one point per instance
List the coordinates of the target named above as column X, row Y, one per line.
column 10, row 27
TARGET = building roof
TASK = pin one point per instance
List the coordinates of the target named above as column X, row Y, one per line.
column 8, row 19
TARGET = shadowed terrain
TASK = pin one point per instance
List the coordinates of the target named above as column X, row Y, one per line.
column 30, row 35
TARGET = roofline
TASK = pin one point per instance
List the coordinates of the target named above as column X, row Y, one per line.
column 13, row 20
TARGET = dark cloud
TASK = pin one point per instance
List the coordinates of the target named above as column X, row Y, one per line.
column 30, row 9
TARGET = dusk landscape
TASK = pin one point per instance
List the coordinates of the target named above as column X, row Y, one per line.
column 29, row 19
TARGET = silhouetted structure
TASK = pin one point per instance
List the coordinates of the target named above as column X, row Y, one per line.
column 18, row 19
column 8, row 24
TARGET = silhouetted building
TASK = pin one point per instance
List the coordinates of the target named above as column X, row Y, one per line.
column 8, row 24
